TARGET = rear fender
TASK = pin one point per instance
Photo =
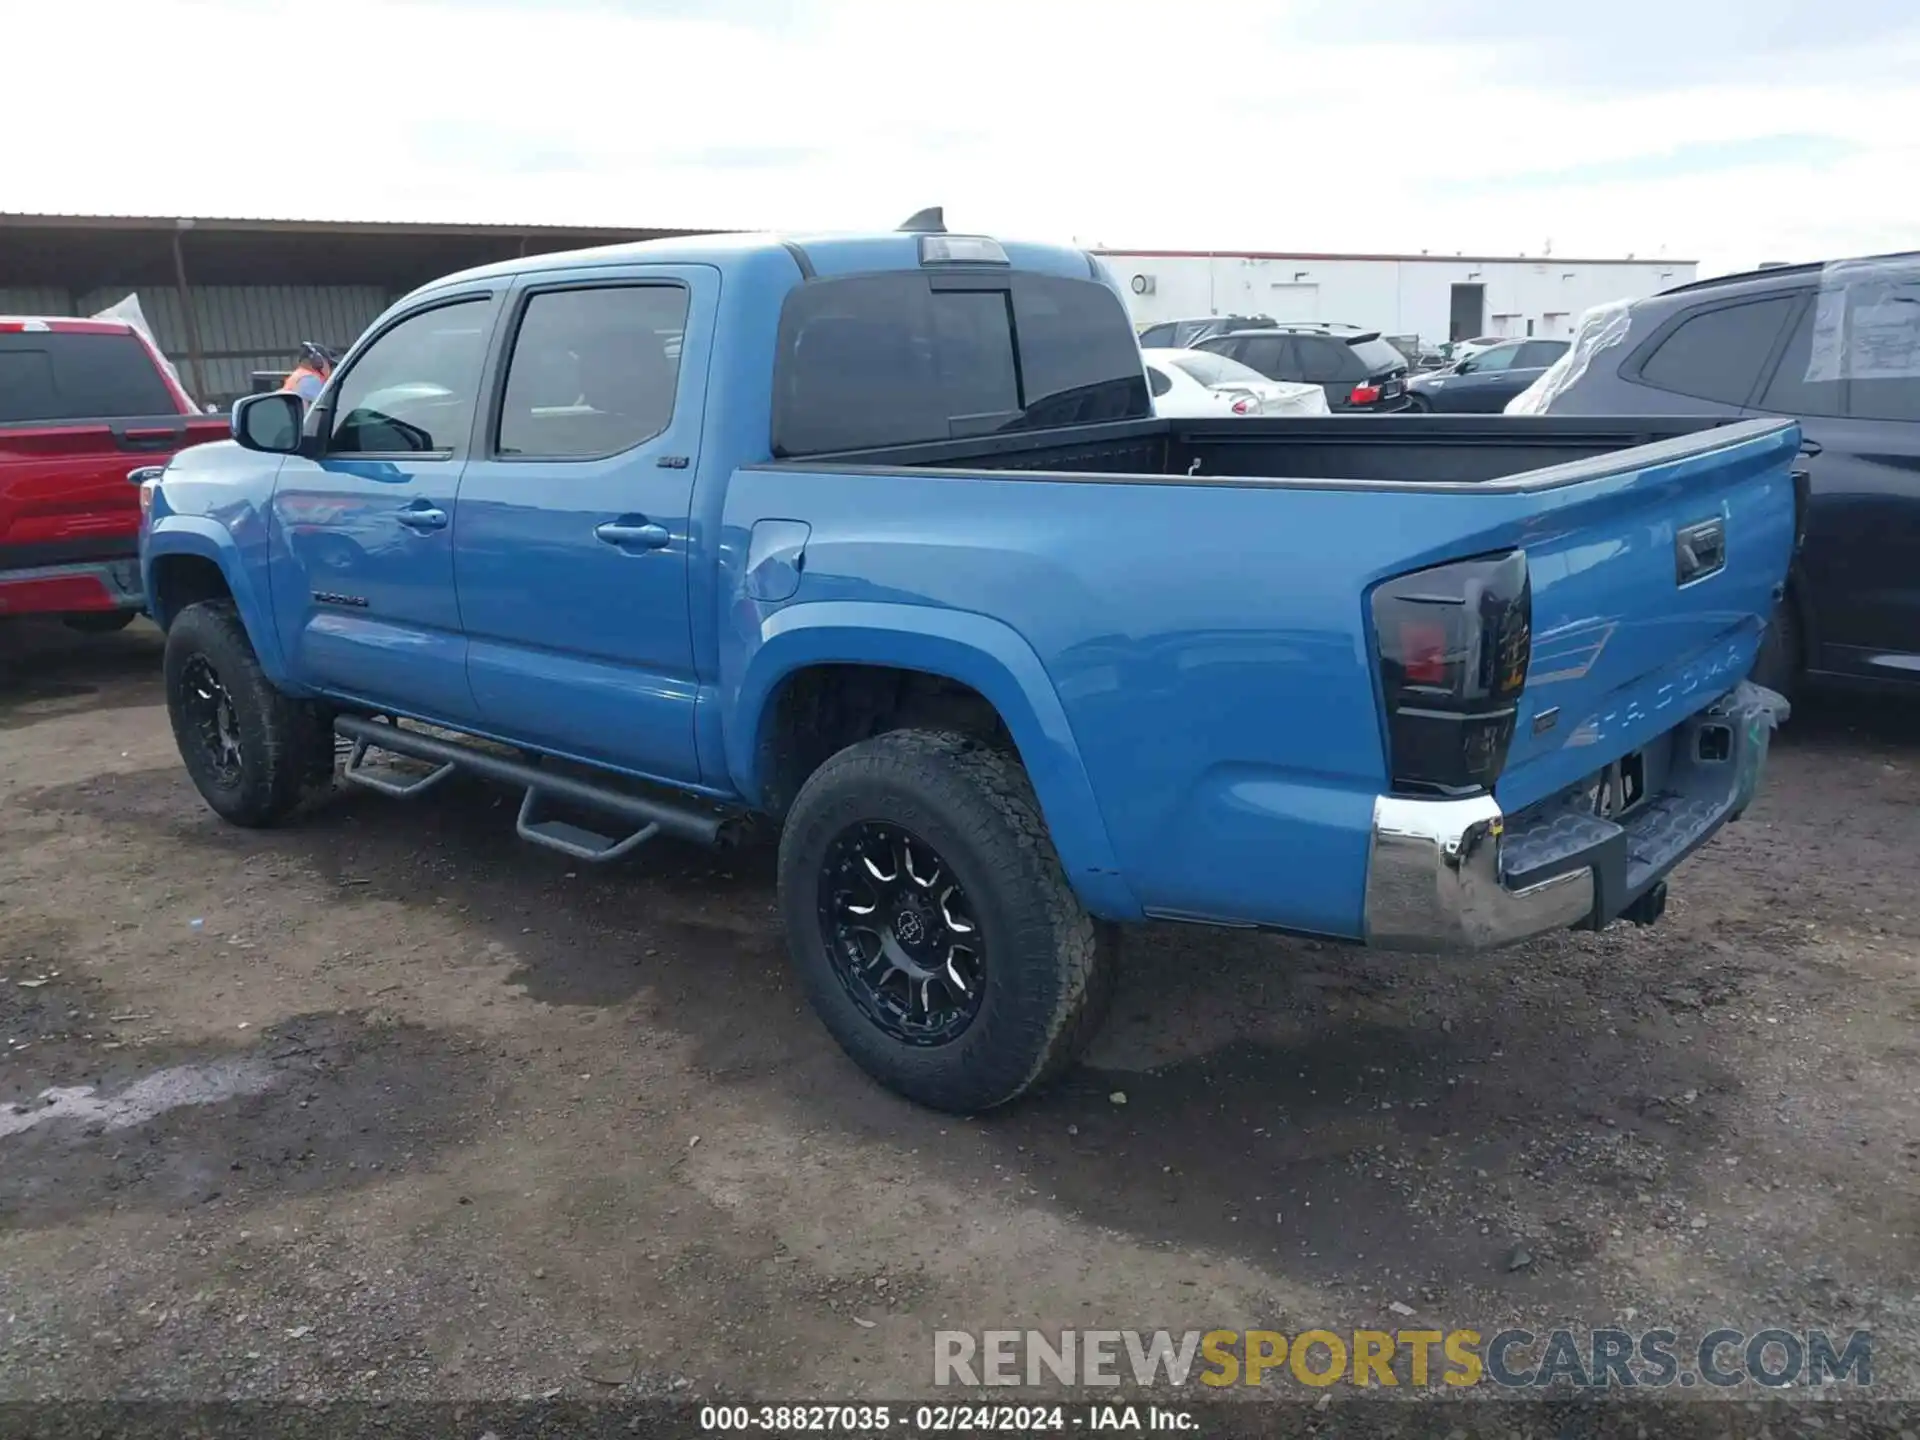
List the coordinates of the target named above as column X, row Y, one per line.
column 206, row 539
column 956, row 645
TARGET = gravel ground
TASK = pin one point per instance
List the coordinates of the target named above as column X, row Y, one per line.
column 388, row 1104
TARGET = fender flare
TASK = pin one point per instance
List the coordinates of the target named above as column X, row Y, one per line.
column 973, row 650
column 209, row 540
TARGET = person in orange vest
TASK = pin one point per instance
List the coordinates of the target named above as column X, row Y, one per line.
column 309, row 377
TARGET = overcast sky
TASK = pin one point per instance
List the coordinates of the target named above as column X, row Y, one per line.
column 1729, row 133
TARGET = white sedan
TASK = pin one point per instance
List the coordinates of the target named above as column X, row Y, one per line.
column 1197, row 385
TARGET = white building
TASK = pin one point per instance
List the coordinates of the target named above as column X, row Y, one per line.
column 1434, row 297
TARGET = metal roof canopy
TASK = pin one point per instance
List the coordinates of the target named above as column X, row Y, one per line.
column 81, row 252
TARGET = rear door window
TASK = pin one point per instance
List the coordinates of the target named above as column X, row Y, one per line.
column 906, row 358
column 1157, row 337
column 1538, row 354
column 1270, row 355
column 593, row 371
column 66, row 376
column 1875, row 375
column 1718, row 354
column 1323, row 361
column 1791, row 391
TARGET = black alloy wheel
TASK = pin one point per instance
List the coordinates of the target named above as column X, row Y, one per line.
column 901, row 934
column 253, row 753
column 207, row 708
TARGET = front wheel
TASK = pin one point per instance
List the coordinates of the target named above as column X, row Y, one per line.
column 252, row 753
column 1419, row 405
column 932, row 926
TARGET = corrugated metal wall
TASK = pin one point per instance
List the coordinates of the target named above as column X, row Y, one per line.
column 26, row 300
column 248, row 328
column 242, row 328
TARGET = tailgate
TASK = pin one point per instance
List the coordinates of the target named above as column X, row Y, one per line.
column 1650, row 595
column 63, row 486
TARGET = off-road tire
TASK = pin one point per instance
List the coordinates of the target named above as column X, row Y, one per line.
column 286, row 747
column 1049, row 966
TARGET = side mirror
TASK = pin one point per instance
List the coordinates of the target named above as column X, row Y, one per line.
column 269, row 423
column 1465, row 367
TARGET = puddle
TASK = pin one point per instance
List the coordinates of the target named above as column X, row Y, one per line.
column 171, row 1089
column 316, row 1103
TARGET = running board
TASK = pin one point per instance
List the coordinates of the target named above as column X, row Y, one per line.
column 645, row 817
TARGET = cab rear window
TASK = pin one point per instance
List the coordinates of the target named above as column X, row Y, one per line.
column 53, row 376
column 906, row 357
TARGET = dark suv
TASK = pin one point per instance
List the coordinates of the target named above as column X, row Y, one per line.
column 1360, row 372
column 1838, row 348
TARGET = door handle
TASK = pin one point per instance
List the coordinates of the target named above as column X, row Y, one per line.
column 633, row 536
column 424, row 518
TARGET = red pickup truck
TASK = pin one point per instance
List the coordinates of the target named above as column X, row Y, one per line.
column 82, row 403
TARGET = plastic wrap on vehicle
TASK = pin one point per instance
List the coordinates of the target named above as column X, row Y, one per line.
column 1600, row 329
column 128, row 312
column 1866, row 321
column 1288, row 398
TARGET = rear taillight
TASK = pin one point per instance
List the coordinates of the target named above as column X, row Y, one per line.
column 1454, row 645
column 1246, row 405
column 1364, row 395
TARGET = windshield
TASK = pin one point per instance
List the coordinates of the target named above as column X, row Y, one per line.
column 1210, row 369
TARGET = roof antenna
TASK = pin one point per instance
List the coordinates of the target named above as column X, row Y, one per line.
column 931, row 221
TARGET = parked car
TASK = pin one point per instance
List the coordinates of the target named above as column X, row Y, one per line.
column 1484, row 382
column 1836, row 347
column 1360, row 372
column 897, row 560
column 1193, row 384
column 1458, row 350
column 1181, row 334
column 82, row 403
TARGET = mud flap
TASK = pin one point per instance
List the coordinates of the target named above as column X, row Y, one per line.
column 1755, row 712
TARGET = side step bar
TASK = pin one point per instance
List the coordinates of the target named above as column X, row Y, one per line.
column 647, row 818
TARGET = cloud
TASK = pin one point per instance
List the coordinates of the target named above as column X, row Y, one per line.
column 1730, row 133
column 1759, row 152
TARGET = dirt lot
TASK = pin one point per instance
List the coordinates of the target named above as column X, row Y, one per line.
column 387, row 1103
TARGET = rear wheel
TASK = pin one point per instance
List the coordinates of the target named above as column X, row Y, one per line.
column 1782, row 655
column 253, row 753
column 932, row 926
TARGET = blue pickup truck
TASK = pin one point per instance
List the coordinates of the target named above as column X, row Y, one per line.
column 876, row 542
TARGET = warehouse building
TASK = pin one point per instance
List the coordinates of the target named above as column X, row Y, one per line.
column 226, row 298
column 1435, row 298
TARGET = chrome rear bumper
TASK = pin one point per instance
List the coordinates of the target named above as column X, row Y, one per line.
column 1434, row 883
column 1454, row 874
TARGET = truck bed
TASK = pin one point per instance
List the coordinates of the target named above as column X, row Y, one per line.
column 1346, row 452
